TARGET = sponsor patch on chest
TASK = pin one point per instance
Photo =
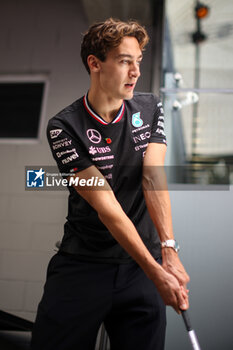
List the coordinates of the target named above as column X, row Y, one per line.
column 137, row 122
column 142, row 137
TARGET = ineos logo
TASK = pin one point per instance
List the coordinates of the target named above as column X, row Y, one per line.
column 94, row 135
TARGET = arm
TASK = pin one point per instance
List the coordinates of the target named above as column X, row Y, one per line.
column 158, row 204
column 123, row 230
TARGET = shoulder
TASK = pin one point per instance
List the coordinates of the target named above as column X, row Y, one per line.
column 145, row 99
column 67, row 114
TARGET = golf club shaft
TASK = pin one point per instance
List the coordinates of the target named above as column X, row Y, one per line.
column 191, row 332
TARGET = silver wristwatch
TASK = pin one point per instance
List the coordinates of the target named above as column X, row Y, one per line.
column 171, row 243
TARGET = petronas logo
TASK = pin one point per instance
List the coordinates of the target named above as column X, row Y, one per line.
column 136, row 120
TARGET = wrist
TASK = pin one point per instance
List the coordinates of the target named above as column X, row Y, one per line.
column 152, row 269
column 170, row 244
column 158, row 274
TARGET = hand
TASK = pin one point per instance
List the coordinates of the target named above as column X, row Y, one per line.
column 171, row 291
column 173, row 265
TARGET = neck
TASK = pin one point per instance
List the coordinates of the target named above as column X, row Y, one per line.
column 106, row 106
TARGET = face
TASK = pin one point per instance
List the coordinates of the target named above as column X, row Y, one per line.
column 119, row 73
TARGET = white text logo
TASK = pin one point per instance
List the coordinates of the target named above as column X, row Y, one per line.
column 70, row 158
column 59, row 154
column 55, row 133
column 94, row 150
column 62, row 143
column 142, row 137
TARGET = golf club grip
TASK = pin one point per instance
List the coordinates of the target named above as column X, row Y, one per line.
column 186, row 320
column 191, row 332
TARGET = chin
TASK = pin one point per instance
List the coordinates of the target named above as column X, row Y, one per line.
column 128, row 96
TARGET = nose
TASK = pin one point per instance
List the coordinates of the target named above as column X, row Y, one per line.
column 134, row 70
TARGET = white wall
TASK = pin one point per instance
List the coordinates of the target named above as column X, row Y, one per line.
column 203, row 224
column 35, row 37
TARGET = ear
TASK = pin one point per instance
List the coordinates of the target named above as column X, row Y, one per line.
column 93, row 63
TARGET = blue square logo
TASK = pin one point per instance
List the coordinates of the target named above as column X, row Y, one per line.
column 35, row 178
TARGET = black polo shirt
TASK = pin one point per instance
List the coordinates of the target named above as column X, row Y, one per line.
column 80, row 138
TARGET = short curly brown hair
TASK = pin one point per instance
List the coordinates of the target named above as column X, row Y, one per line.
column 104, row 36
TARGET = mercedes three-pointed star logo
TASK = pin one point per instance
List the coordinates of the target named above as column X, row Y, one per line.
column 94, row 135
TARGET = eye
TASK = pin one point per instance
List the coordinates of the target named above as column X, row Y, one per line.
column 125, row 61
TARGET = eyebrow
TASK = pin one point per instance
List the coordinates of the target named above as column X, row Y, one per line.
column 124, row 55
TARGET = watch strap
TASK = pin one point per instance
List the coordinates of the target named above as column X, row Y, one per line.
column 170, row 243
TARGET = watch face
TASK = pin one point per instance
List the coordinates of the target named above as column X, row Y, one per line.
column 176, row 246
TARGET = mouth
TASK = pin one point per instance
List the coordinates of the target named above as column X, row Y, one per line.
column 130, row 86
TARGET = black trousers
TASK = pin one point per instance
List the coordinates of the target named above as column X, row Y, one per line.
column 79, row 296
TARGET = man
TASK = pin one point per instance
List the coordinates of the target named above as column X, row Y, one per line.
column 108, row 268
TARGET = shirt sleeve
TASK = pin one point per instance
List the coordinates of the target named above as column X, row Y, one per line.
column 68, row 152
column 157, row 131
